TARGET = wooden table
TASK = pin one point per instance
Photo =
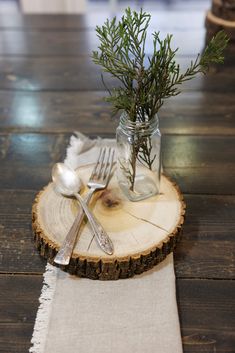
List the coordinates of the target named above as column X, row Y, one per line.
column 49, row 88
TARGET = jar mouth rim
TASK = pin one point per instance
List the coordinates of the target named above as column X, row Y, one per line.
column 138, row 124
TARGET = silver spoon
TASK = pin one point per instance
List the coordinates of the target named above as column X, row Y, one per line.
column 68, row 183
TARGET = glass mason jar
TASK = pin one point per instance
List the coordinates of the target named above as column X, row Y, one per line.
column 138, row 157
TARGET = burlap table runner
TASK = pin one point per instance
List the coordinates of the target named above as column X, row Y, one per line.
column 133, row 315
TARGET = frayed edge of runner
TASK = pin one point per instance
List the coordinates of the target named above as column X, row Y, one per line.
column 38, row 340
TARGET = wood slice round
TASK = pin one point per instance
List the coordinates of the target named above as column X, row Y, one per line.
column 143, row 233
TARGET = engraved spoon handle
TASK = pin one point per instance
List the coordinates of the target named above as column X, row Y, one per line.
column 102, row 237
column 64, row 254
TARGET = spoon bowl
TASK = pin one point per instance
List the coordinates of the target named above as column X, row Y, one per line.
column 66, row 180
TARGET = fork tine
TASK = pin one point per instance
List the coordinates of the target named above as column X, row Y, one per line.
column 112, row 152
column 97, row 163
column 106, row 164
column 101, row 163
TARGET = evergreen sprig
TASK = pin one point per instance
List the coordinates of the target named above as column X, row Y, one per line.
column 143, row 89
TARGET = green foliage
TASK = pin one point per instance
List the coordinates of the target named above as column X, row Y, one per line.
column 143, row 90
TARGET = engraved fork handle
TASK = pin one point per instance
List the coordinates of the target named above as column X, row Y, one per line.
column 101, row 236
column 64, row 254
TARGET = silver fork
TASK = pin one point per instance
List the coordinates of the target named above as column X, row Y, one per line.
column 98, row 180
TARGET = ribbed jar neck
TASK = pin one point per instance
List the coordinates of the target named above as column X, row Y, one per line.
column 139, row 126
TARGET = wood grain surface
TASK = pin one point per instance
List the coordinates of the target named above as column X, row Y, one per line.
column 49, row 88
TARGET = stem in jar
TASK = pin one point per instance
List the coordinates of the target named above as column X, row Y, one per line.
column 141, row 151
column 145, row 151
column 133, row 166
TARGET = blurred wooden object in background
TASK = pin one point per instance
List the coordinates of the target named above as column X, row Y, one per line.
column 221, row 16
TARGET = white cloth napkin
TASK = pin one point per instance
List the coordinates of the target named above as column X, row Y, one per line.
column 133, row 315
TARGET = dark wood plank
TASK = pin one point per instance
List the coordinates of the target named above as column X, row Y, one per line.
column 55, row 112
column 208, row 341
column 198, row 151
column 209, row 225
column 207, row 246
column 189, row 113
column 200, row 164
column 18, row 253
column 199, row 113
column 73, row 43
column 18, row 311
column 207, row 313
column 25, row 291
column 80, row 74
column 205, row 180
column 15, row 338
column 28, row 159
